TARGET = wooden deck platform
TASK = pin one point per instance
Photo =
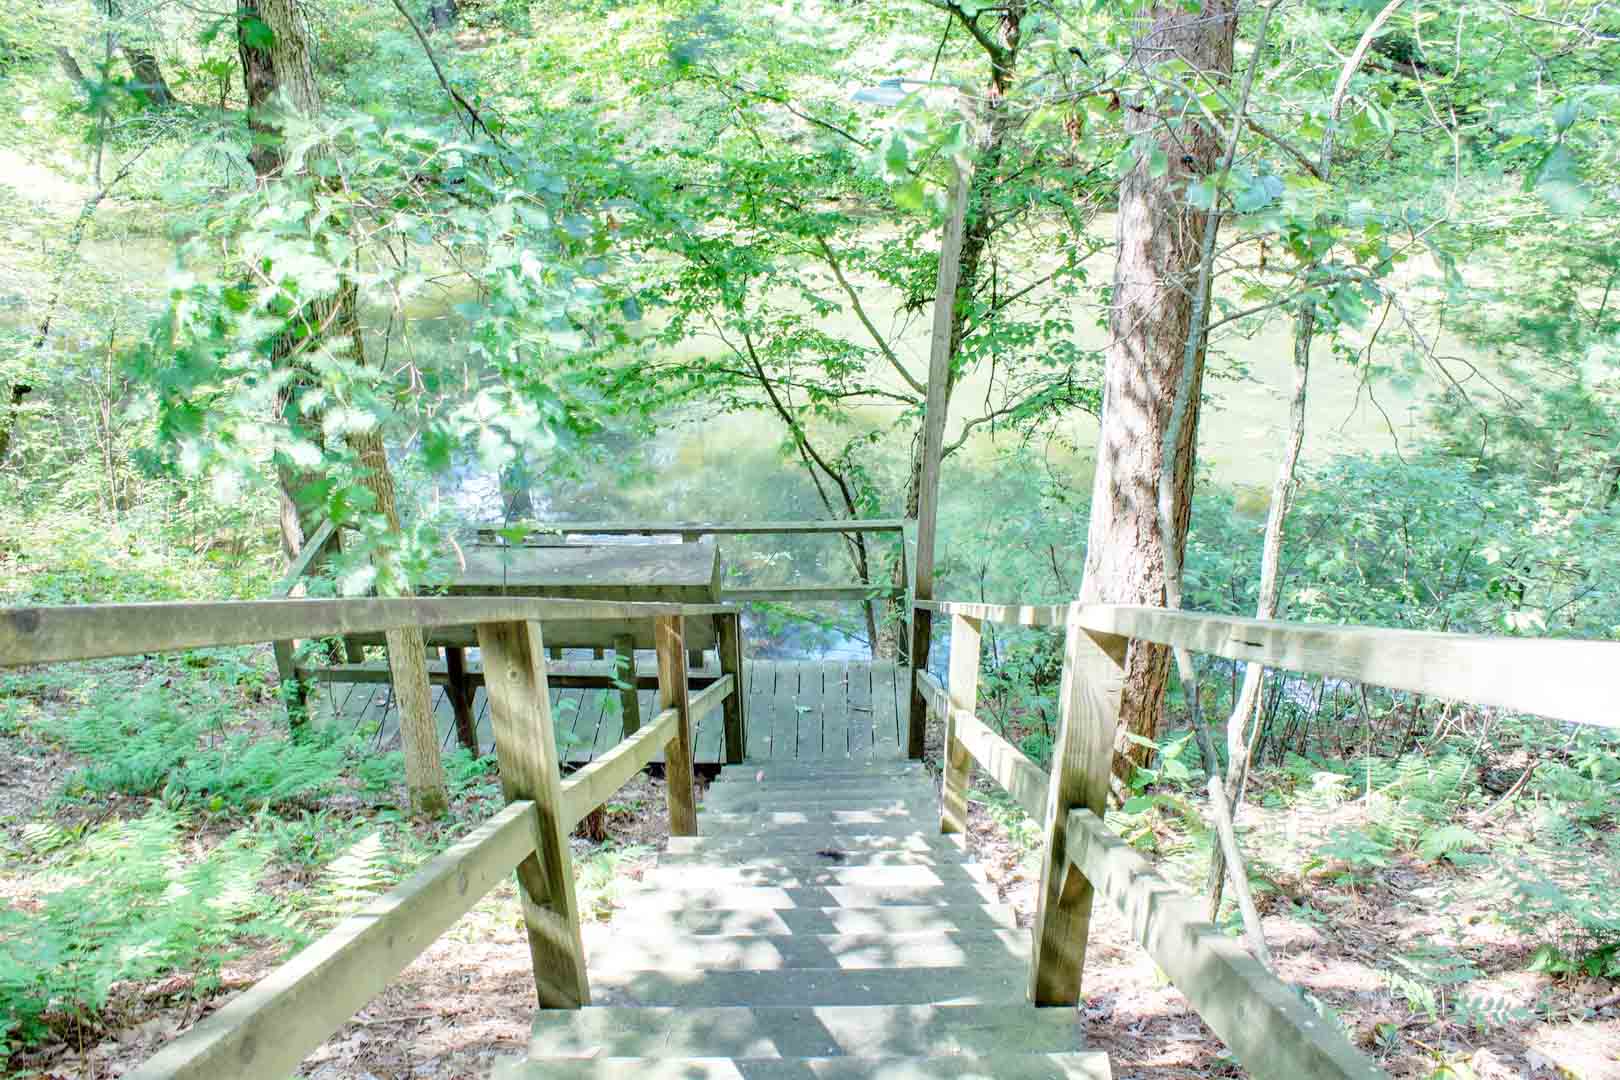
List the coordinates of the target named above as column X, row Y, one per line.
column 807, row 710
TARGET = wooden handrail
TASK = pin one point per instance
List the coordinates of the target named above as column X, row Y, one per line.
column 37, row 635
column 1270, row 1029
column 709, row 528
column 269, row 1029
column 1563, row 679
column 1266, row 1024
column 593, row 785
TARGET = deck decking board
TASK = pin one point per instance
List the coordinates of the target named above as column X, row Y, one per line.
column 848, row 710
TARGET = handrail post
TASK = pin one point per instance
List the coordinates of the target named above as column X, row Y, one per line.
column 674, row 693
column 728, row 643
column 526, row 746
column 460, row 692
column 963, row 692
column 1082, row 762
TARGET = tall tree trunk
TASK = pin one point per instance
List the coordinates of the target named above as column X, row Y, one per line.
column 978, row 226
column 1159, row 243
column 149, row 81
column 286, row 67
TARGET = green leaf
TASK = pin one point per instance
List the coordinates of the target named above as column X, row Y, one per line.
column 256, row 33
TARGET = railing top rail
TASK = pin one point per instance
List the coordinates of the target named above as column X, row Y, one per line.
column 1558, row 678
column 38, row 635
column 712, row 528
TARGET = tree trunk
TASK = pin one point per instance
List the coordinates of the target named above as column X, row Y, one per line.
column 407, row 651
column 442, row 14
column 978, row 226
column 286, row 67
column 1159, row 246
column 71, row 68
column 149, row 81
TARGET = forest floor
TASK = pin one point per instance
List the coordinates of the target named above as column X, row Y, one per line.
column 468, row 999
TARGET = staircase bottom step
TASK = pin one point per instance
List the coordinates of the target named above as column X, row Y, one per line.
column 879, row 1031
column 1084, row 1065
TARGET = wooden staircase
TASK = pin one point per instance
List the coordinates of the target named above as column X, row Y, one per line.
column 819, row 928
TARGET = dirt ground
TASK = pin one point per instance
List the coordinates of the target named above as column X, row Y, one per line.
column 468, row 999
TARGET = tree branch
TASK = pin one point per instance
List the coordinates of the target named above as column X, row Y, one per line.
column 860, row 313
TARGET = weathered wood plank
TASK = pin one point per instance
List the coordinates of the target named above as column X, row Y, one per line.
column 761, row 708
column 888, row 707
column 1093, row 680
column 735, row 718
column 562, row 674
column 39, row 635
column 808, row 710
column 674, row 693
column 860, row 710
column 784, row 711
column 520, row 709
column 658, row 572
column 786, row 594
column 702, row 528
column 268, row 1030
column 963, row 689
column 1266, row 1024
column 835, row 709
column 1018, row 776
column 1020, row 615
column 593, row 785
column 624, row 671
column 1561, row 679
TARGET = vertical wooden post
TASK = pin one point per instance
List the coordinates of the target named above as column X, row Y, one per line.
column 294, row 694
column 939, row 382
column 694, row 659
column 1082, row 761
column 459, row 691
column 520, row 710
column 728, row 641
column 963, row 694
column 624, row 669
column 673, row 693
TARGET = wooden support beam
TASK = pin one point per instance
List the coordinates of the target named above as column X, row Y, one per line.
column 674, row 694
column 1093, row 680
column 939, row 396
column 567, row 675
column 729, row 632
column 41, row 635
column 1270, row 1029
column 1019, row 615
column 265, row 1032
column 459, row 691
column 807, row 594
column 964, row 698
column 624, row 670
column 492, row 534
column 526, row 746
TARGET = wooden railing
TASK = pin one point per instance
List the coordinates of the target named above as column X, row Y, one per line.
column 268, row 1030
column 692, row 532
column 1269, row 1028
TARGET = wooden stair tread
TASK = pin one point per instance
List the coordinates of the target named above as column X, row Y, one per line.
column 834, row 920
column 799, row 1031
column 972, row 984
column 629, row 950
column 721, row 873
column 699, row 897
column 823, row 857
column 1078, row 1065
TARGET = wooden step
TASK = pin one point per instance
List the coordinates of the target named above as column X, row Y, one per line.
column 819, row 771
column 827, row 920
column 631, row 949
column 812, row 987
column 696, row 895
column 721, row 873
column 766, row 858
column 770, row 801
column 761, row 780
column 1079, row 1065
column 718, row 821
column 810, row 840
column 855, row 1030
